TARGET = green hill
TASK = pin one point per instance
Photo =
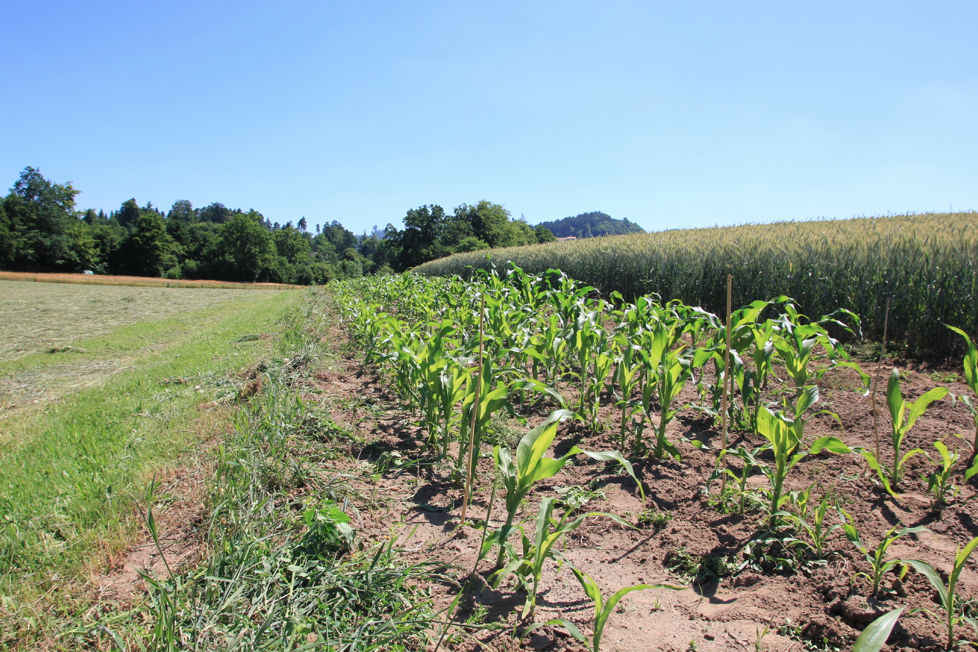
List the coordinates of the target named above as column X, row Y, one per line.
column 591, row 225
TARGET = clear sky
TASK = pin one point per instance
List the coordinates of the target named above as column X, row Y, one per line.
column 675, row 114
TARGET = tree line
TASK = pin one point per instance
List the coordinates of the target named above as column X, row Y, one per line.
column 42, row 231
column 591, row 225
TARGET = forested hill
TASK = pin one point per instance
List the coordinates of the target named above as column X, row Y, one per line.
column 593, row 224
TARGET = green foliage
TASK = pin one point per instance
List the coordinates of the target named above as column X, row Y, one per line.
column 876, row 557
column 903, row 415
column 811, row 520
column 530, row 466
column 588, row 225
column 873, row 638
column 527, row 566
column 737, row 497
column 784, row 435
column 39, row 216
column 430, row 233
column 947, row 592
column 705, row 569
column 925, row 263
column 328, row 530
column 150, row 250
column 939, row 480
column 41, row 231
column 970, row 365
column 603, row 609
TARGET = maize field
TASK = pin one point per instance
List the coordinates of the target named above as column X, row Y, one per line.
column 926, row 265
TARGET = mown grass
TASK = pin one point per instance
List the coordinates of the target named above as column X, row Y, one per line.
column 39, row 317
column 278, row 573
column 926, row 265
column 136, row 281
column 72, row 471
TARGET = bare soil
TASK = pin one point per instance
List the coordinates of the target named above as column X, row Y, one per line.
column 397, row 489
column 811, row 605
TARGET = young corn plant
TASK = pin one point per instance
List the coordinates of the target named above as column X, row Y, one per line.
column 547, row 349
column 590, row 345
column 547, row 531
column 424, row 380
column 747, row 334
column 903, row 415
column 603, row 609
column 873, row 638
column 532, row 465
column 485, row 399
column 628, row 368
column 450, row 389
column 948, row 592
column 784, row 435
column 665, row 371
column 737, row 492
column 796, row 341
column 811, row 520
column 970, row 377
column 939, row 480
column 878, row 563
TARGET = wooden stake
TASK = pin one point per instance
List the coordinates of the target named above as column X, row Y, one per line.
column 879, row 367
column 473, row 454
column 726, row 378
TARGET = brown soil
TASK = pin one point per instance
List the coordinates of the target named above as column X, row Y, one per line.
column 179, row 514
column 814, row 606
column 819, row 605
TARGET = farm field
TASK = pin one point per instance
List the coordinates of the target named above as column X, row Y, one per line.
column 925, row 265
column 778, row 556
column 331, row 514
column 101, row 387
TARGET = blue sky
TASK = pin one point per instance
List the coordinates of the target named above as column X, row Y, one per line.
column 671, row 114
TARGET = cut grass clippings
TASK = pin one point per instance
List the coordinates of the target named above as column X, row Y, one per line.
column 285, row 567
column 72, row 472
column 57, row 317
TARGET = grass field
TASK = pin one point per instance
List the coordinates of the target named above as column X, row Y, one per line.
column 37, row 317
column 134, row 281
column 113, row 394
column 926, row 265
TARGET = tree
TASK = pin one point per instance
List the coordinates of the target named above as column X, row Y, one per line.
column 128, row 214
column 489, row 222
column 6, row 239
column 182, row 211
column 39, row 216
column 421, row 239
column 150, row 250
column 217, row 213
column 246, row 249
column 543, row 234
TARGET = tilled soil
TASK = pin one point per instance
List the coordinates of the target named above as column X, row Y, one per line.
column 729, row 603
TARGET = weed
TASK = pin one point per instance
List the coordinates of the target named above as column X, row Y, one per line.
column 653, row 518
column 775, row 550
column 705, row 569
column 575, row 497
column 796, row 631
